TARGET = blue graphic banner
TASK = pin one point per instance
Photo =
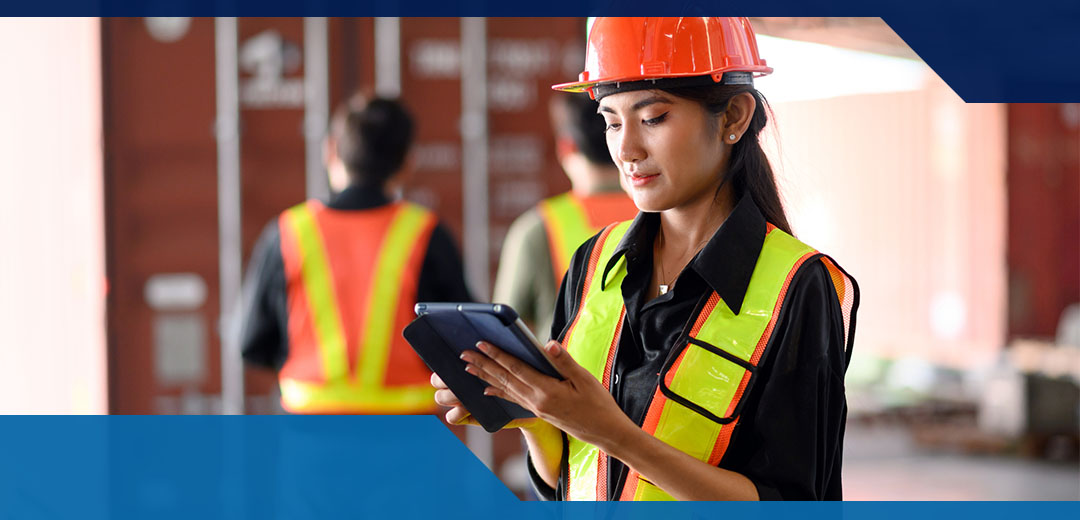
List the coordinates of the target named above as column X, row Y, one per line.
column 986, row 50
column 259, row 467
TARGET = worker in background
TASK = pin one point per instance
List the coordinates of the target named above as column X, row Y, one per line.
column 540, row 243
column 331, row 285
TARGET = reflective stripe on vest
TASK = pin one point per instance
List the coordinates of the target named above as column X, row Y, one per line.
column 570, row 220
column 696, row 403
column 567, row 227
column 339, row 367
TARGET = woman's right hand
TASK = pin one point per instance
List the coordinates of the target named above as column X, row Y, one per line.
column 459, row 415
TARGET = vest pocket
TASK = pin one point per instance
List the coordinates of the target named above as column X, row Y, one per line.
column 708, row 380
column 648, row 492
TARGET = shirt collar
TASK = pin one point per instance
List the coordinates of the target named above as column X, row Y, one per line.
column 359, row 196
column 725, row 263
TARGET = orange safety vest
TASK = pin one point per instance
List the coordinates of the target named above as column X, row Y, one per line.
column 571, row 219
column 351, row 279
column 698, row 396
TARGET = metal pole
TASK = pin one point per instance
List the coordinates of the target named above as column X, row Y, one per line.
column 229, row 253
column 474, row 137
column 388, row 57
column 316, row 104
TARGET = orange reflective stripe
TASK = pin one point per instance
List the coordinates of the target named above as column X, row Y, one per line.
column 845, row 292
column 602, row 209
column 602, row 458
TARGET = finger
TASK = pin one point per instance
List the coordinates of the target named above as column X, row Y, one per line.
column 515, row 367
column 487, row 369
column 492, row 379
column 459, row 415
column 510, row 392
column 502, row 394
column 437, row 381
column 564, row 362
column 445, row 397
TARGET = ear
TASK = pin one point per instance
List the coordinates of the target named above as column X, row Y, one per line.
column 740, row 112
column 329, row 151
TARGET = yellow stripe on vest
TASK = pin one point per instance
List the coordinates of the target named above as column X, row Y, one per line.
column 568, row 225
column 319, row 287
column 385, row 289
column 337, row 397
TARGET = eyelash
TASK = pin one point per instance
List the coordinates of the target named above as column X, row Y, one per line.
column 647, row 122
column 656, row 120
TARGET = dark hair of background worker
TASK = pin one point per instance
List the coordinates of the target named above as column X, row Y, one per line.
column 368, row 143
column 539, row 243
column 577, row 123
column 332, row 284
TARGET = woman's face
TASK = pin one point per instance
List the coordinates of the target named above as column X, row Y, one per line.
column 670, row 154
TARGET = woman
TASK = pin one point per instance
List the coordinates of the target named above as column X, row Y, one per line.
column 703, row 347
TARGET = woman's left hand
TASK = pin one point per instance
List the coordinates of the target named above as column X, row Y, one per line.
column 578, row 405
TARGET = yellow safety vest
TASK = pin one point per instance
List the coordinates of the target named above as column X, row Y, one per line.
column 570, row 220
column 697, row 400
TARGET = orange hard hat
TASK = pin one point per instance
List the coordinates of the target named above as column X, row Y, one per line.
column 633, row 49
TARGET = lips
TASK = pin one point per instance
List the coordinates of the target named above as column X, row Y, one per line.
column 638, row 179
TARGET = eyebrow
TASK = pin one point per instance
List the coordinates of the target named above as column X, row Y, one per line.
column 655, row 98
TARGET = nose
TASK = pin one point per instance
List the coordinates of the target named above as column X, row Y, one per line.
column 627, row 146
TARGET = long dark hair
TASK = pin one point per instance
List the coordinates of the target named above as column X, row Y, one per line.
column 748, row 170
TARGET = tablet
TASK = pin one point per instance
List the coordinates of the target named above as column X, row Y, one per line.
column 442, row 331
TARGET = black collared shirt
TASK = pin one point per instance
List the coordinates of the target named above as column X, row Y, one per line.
column 789, row 438
column 264, row 337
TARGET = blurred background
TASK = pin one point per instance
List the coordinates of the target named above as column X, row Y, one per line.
column 142, row 157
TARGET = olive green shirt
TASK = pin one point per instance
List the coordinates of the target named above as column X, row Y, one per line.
column 526, row 277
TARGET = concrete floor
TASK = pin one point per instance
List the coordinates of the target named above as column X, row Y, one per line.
column 883, row 464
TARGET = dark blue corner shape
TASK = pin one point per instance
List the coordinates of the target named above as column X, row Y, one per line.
column 986, row 50
column 259, row 467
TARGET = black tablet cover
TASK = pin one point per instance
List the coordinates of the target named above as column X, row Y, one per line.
column 443, row 331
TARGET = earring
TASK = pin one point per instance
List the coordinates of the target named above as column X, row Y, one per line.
column 731, row 137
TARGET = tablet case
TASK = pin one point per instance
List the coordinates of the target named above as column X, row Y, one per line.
column 443, row 331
